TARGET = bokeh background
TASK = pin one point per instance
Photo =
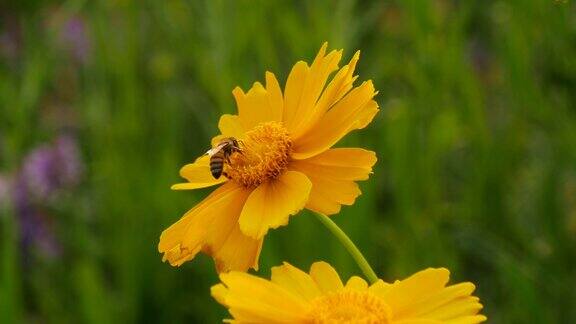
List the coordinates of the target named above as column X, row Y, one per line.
column 101, row 103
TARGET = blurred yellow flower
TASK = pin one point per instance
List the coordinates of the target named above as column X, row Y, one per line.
column 287, row 162
column 294, row 296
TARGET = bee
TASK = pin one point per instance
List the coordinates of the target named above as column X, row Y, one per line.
column 221, row 153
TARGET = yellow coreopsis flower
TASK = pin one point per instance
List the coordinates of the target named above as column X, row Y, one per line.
column 286, row 162
column 294, row 296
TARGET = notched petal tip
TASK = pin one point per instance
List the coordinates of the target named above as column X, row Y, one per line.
column 238, row 93
column 257, row 88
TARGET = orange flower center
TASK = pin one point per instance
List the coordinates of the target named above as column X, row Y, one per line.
column 265, row 154
column 352, row 307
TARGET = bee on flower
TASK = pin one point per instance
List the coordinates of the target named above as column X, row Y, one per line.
column 282, row 162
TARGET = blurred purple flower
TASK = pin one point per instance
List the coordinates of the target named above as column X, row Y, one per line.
column 47, row 171
column 38, row 172
column 73, row 35
column 50, row 168
column 35, row 227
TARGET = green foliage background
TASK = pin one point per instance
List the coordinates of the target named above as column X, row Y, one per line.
column 476, row 141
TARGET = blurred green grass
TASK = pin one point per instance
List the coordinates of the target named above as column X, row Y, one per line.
column 476, row 143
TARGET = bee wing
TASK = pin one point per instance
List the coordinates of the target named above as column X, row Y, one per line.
column 216, row 149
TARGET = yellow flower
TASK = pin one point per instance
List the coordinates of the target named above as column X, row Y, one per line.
column 286, row 164
column 294, row 296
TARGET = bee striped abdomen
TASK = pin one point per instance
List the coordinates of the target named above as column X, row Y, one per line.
column 217, row 165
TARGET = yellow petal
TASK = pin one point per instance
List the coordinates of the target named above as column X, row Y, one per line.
column 304, row 86
column 467, row 320
column 275, row 99
column 354, row 111
column 231, row 126
column 326, row 278
column 379, row 287
column 237, row 252
column 436, row 302
column 271, row 203
column 259, row 104
column 254, row 300
column 296, row 281
column 339, row 86
column 329, row 195
column 335, row 90
column 224, row 241
column 455, row 309
column 219, row 292
column 293, row 91
column 333, row 174
column 181, row 241
column 417, row 287
column 356, row 283
column 198, row 174
column 212, row 227
column 341, row 163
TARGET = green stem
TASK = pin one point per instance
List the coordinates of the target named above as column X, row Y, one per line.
column 349, row 245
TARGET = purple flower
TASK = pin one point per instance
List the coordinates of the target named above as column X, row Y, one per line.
column 36, row 232
column 73, row 35
column 47, row 171
column 38, row 172
column 50, row 168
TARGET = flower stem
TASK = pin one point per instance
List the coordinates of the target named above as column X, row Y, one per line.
column 349, row 245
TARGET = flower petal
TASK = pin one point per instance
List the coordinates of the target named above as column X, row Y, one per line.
column 231, row 249
column 259, row 104
column 295, row 280
column 219, row 292
column 341, row 163
column 198, row 174
column 326, row 278
column 354, row 111
column 275, row 99
column 231, row 126
column 442, row 302
column 335, row 90
column 236, row 251
column 271, row 203
column 379, row 287
column 472, row 319
column 416, row 287
column 456, row 309
column 356, row 283
column 212, row 226
column 254, row 300
column 182, row 240
column 304, row 86
column 333, row 174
